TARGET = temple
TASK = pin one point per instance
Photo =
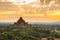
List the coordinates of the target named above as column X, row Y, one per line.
column 21, row 23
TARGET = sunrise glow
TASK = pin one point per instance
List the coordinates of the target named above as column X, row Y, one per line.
column 30, row 10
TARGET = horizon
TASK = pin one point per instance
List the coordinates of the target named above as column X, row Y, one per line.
column 32, row 22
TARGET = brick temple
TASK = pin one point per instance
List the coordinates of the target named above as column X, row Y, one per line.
column 21, row 23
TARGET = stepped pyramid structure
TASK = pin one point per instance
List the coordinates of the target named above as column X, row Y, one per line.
column 21, row 23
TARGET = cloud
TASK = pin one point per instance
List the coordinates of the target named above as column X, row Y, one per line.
column 34, row 7
column 7, row 6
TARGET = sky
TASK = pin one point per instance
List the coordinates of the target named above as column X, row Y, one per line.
column 30, row 10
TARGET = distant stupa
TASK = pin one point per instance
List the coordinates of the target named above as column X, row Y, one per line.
column 21, row 23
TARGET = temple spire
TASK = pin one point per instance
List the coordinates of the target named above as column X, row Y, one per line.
column 21, row 23
column 20, row 20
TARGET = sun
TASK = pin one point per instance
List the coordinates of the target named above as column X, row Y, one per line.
column 22, row 2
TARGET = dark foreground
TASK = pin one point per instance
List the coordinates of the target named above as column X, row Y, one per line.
column 26, row 34
column 41, row 32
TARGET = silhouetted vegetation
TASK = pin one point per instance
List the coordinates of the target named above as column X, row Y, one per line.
column 31, row 33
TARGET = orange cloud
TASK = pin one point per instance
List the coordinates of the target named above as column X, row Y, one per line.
column 4, row 17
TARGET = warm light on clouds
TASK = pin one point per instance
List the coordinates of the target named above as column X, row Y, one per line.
column 30, row 10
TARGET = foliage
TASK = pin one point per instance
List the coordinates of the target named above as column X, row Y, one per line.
column 24, row 33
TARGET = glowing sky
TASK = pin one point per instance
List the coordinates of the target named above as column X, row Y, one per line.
column 30, row 10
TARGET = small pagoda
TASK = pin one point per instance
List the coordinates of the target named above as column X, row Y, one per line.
column 21, row 23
